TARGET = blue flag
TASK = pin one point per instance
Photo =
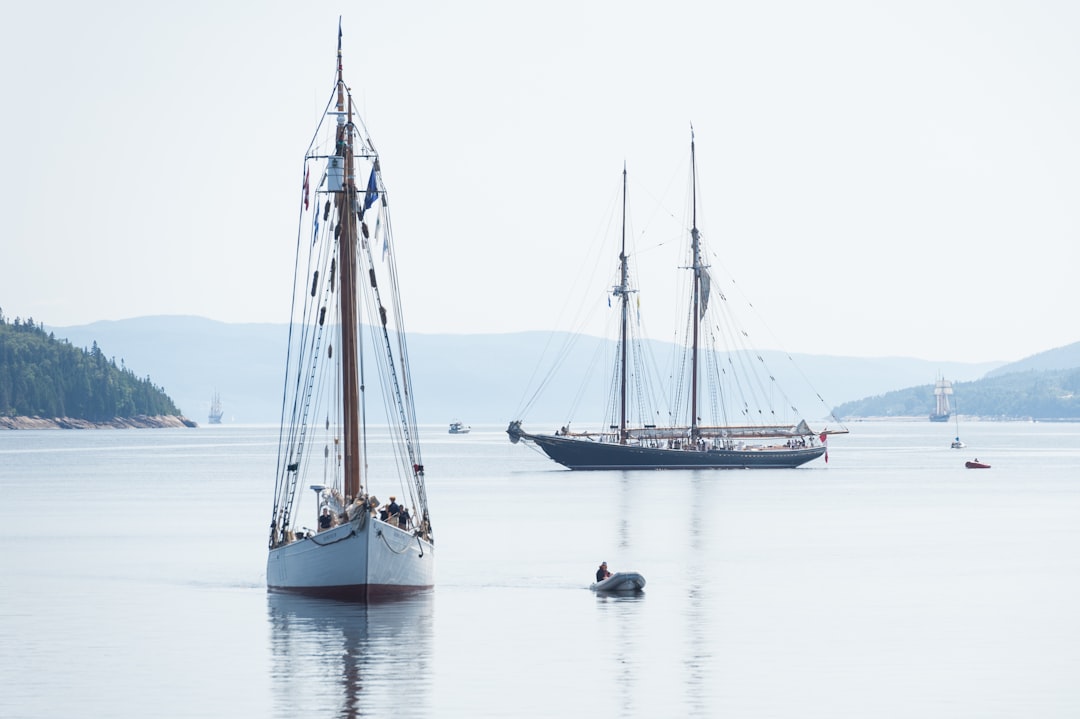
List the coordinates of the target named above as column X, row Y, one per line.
column 372, row 188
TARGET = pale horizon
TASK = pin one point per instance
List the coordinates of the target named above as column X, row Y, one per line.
column 891, row 179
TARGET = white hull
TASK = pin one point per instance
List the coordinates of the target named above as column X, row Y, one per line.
column 363, row 558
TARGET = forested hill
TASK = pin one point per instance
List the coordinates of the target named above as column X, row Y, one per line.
column 1034, row 394
column 41, row 376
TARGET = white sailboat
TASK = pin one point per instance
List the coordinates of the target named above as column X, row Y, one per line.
column 346, row 285
column 957, row 443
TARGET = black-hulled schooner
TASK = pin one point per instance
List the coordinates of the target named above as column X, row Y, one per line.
column 329, row 533
column 756, row 440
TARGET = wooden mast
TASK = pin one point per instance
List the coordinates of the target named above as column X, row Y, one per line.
column 623, row 291
column 696, row 249
column 346, row 216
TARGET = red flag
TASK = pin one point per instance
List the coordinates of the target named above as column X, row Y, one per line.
column 825, row 441
column 307, row 172
column 824, row 437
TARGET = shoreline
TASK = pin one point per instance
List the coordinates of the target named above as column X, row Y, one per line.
column 141, row 421
column 963, row 418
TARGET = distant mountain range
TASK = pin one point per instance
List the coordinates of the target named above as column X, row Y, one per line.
column 479, row 379
column 1062, row 358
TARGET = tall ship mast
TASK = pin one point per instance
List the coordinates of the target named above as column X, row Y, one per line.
column 330, row 533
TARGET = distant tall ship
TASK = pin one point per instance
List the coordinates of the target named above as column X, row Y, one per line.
column 942, row 390
column 216, row 412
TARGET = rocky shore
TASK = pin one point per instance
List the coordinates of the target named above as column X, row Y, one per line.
column 141, row 421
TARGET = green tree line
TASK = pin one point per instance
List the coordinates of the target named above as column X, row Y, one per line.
column 41, row 376
column 1034, row 394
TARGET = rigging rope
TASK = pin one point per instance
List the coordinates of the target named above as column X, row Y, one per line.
column 307, row 391
column 382, row 535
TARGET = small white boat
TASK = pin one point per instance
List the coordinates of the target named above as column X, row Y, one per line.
column 620, row 582
column 459, row 428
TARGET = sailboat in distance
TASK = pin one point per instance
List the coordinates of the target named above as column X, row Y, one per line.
column 633, row 436
column 942, row 411
column 957, row 443
column 216, row 413
column 344, row 542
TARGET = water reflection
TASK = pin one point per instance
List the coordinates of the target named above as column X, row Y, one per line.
column 620, row 618
column 696, row 657
column 349, row 660
column 626, row 503
column 620, row 613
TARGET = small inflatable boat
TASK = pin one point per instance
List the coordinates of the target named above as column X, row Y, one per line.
column 620, row 582
column 976, row 465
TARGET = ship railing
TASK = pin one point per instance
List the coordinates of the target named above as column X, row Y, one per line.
column 723, row 433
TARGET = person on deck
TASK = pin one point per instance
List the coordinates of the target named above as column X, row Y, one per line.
column 325, row 519
column 393, row 508
column 403, row 518
column 602, row 572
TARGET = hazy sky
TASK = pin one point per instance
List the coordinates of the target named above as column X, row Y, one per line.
column 880, row 178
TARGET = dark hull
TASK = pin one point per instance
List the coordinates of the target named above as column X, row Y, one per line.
column 371, row 593
column 940, row 417
column 586, row 455
column 620, row 583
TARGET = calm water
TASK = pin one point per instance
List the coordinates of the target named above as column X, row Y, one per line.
column 891, row 582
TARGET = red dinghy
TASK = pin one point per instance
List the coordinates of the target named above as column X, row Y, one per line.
column 976, row 464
